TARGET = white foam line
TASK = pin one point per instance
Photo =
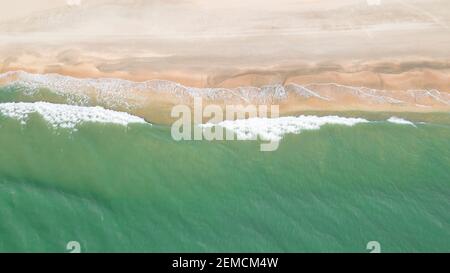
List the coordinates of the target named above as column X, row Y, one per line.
column 434, row 96
column 66, row 116
column 308, row 93
column 422, row 105
column 433, row 93
column 360, row 90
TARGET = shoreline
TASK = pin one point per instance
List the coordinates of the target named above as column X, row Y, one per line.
column 154, row 99
column 144, row 57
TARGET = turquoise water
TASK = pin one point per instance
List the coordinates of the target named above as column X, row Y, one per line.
column 114, row 188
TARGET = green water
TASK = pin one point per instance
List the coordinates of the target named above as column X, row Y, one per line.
column 113, row 188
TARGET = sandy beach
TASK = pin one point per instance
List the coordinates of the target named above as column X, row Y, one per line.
column 396, row 50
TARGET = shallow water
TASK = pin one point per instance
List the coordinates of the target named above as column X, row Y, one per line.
column 133, row 188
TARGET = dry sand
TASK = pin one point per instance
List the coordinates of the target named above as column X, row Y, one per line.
column 397, row 46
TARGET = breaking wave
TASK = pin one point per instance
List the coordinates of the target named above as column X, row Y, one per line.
column 66, row 116
column 273, row 129
column 400, row 121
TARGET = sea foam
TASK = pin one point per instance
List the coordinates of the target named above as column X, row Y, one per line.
column 120, row 93
column 66, row 116
column 400, row 121
column 273, row 129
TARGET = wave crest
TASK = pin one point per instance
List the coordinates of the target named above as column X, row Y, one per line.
column 66, row 116
column 397, row 120
column 273, row 129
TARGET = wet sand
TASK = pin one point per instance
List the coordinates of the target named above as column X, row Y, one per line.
column 397, row 48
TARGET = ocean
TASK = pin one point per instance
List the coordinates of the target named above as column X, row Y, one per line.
column 125, row 185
